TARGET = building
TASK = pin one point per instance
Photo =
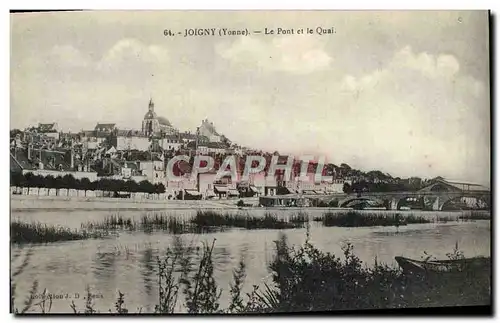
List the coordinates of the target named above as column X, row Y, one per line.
column 49, row 129
column 102, row 132
column 208, row 130
column 170, row 142
column 105, row 127
column 152, row 125
column 442, row 185
column 130, row 140
column 289, row 200
column 187, row 137
column 216, row 147
column 153, row 169
column 205, row 184
column 50, row 162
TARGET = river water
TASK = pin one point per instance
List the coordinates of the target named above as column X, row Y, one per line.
column 127, row 262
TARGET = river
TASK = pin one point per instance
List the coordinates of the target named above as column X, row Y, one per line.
column 127, row 262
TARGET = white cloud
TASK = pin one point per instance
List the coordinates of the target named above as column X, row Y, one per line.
column 437, row 116
column 293, row 54
column 432, row 66
column 131, row 54
column 69, row 56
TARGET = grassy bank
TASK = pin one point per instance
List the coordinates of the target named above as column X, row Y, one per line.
column 245, row 221
column 204, row 221
column 357, row 219
column 303, row 279
column 35, row 232
column 475, row 215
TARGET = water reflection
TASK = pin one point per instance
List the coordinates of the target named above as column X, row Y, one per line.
column 104, row 267
column 147, row 270
column 127, row 262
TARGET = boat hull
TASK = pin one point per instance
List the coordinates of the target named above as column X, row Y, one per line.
column 416, row 267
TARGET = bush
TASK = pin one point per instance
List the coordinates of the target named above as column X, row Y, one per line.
column 307, row 279
column 357, row 219
column 22, row 232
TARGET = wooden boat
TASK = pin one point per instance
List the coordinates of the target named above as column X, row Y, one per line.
column 411, row 266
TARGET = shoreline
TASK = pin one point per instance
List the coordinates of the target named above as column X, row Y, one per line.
column 23, row 203
column 34, row 203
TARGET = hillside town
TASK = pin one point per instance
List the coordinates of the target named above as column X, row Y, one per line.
column 131, row 162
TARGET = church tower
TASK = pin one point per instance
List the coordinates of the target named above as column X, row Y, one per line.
column 151, row 105
column 150, row 124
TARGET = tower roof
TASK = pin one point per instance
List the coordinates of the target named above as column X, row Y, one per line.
column 150, row 115
column 164, row 121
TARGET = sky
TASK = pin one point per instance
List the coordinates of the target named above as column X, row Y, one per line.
column 403, row 92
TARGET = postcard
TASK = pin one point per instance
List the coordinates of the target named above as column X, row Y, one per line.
column 229, row 162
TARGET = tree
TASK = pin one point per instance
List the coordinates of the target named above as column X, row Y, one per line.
column 29, row 180
column 143, row 186
column 49, row 181
column 78, row 184
column 94, row 185
column 59, row 182
column 133, row 186
column 38, row 181
column 85, row 185
column 345, row 166
column 16, row 179
column 14, row 133
column 69, row 181
column 347, row 188
column 160, row 188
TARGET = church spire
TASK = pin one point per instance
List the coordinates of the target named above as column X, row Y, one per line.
column 151, row 105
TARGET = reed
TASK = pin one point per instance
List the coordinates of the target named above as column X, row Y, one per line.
column 303, row 279
column 357, row 219
column 245, row 221
column 300, row 217
column 36, row 232
column 475, row 215
column 113, row 222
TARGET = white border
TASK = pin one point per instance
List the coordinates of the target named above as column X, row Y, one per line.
column 186, row 4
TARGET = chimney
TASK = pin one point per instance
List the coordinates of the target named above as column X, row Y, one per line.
column 72, row 159
column 29, row 152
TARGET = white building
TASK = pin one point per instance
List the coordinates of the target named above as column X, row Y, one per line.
column 208, row 130
column 130, row 140
column 155, row 125
column 154, row 170
column 49, row 129
column 170, row 142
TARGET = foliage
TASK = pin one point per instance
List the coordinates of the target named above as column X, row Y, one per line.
column 307, row 279
column 68, row 181
column 303, row 279
column 357, row 219
column 207, row 218
column 22, row 232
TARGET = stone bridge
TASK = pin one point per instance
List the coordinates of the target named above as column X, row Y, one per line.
column 433, row 196
column 432, row 200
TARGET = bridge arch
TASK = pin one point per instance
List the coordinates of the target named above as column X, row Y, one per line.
column 347, row 202
column 465, row 203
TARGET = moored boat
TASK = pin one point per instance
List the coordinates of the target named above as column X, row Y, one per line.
column 411, row 266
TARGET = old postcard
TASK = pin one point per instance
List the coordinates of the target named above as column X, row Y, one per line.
column 249, row 161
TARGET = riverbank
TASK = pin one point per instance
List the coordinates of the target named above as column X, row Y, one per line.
column 47, row 203
column 304, row 279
